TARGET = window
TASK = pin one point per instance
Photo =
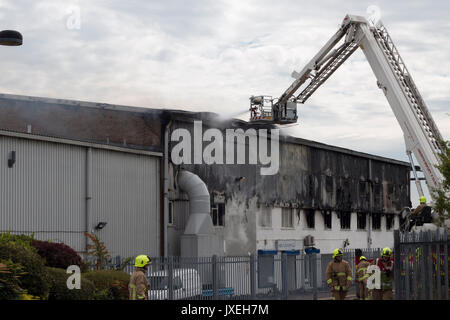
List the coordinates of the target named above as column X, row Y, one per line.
column 361, row 220
column 309, row 217
column 327, row 219
column 363, row 189
column 266, row 217
column 170, row 214
column 389, row 221
column 376, row 221
column 346, row 219
column 218, row 213
column 287, row 218
column 329, row 183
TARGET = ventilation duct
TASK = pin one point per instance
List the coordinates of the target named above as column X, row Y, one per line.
column 199, row 238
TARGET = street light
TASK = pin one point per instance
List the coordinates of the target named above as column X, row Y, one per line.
column 10, row 38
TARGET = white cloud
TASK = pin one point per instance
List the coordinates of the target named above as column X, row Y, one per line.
column 211, row 56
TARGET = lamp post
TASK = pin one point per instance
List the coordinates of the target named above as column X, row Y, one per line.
column 10, row 38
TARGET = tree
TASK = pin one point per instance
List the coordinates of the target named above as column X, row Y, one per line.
column 98, row 250
column 442, row 195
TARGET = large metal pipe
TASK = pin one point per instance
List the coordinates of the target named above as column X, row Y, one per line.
column 88, row 194
column 166, row 186
column 199, row 221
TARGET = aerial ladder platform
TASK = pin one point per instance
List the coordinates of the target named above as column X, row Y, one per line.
column 421, row 135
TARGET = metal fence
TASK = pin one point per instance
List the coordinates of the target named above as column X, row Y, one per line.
column 273, row 276
column 421, row 265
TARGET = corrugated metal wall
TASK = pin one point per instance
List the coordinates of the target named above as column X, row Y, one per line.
column 126, row 195
column 45, row 193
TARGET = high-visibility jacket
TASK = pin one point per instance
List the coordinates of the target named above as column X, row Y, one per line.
column 361, row 269
column 337, row 275
column 387, row 273
column 138, row 285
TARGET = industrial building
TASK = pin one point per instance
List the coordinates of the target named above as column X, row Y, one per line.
column 67, row 167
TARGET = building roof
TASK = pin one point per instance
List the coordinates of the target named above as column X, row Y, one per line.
column 118, row 125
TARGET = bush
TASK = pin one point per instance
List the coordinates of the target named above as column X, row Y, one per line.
column 21, row 239
column 58, row 286
column 35, row 281
column 9, row 280
column 109, row 284
column 58, row 255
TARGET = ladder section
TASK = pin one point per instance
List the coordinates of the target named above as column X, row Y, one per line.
column 403, row 77
column 324, row 73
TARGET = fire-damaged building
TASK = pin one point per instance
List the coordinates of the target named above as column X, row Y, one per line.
column 179, row 183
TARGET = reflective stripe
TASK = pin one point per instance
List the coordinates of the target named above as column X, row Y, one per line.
column 340, row 274
column 337, row 287
column 362, row 269
column 344, row 288
column 329, row 281
column 363, row 277
column 349, row 278
column 133, row 290
column 141, row 297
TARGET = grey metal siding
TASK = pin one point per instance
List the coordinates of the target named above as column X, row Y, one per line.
column 126, row 195
column 44, row 192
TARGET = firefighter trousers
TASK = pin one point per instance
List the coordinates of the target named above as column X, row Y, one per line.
column 378, row 294
column 363, row 291
column 338, row 294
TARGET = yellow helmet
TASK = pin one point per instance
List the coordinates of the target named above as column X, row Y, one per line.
column 141, row 261
column 337, row 253
column 386, row 252
column 422, row 199
column 362, row 258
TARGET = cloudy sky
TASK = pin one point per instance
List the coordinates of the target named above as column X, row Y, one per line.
column 212, row 55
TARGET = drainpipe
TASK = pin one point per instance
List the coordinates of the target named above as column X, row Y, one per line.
column 88, row 194
column 166, row 185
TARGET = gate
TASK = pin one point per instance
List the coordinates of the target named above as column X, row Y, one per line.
column 421, row 265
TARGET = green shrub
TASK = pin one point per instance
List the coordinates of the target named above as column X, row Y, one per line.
column 58, row 255
column 109, row 284
column 58, row 286
column 9, row 280
column 21, row 239
column 35, row 281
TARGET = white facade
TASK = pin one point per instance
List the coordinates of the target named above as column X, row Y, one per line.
column 325, row 239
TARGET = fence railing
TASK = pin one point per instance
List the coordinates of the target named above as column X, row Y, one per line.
column 279, row 276
column 421, row 265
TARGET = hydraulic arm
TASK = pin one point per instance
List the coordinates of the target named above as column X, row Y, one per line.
column 422, row 137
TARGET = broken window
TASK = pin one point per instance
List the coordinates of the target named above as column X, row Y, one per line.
column 389, row 221
column 346, row 218
column 218, row 213
column 309, row 217
column 361, row 220
column 287, row 218
column 363, row 189
column 329, row 183
column 266, row 217
column 327, row 219
column 170, row 219
column 376, row 221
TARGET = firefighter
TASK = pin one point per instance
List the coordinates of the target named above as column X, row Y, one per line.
column 386, row 266
column 420, row 207
column 338, row 275
column 422, row 214
column 361, row 277
column 138, row 285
